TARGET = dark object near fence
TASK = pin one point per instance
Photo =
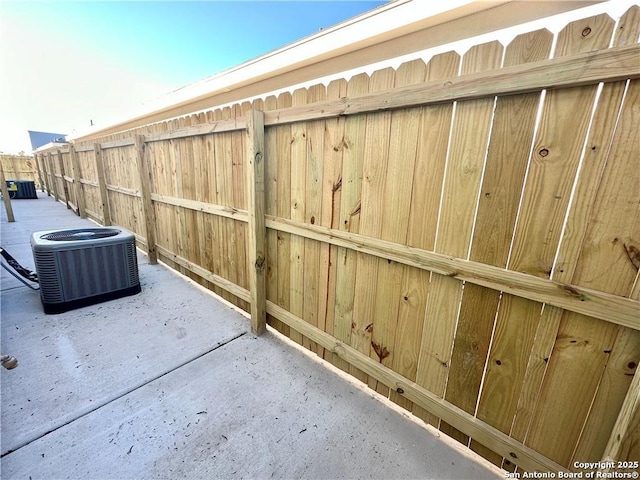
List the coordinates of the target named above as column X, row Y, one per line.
column 21, row 189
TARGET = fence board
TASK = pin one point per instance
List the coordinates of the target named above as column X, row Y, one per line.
column 298, row 184
column 331, row 200
column 283, row 140
column 435, row 126
column 200, row 177
column 90, row 188
column 625, row 355
column 555, row 157
column 584, row 343
column 240, row 200
column 223, row 178
column 374, row 170
column 77, row 185
column 167, row 214
column 352, row 147
column 271, row 206
column 314, row 161
column 507, row 157
column 388, row 332
column 189, row 160
column 41, row 172
column 62, row 183
column 470, row 134
column 206, row 193
column 547, row 326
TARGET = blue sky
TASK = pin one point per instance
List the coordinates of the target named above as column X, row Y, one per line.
column 66, row 63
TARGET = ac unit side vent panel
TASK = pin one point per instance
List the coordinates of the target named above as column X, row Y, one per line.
column 82, row 267
column 48, row 276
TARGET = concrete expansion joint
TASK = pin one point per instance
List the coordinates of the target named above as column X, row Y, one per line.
column 121, row 394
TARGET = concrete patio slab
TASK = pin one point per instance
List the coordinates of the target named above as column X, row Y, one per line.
column 170, row 383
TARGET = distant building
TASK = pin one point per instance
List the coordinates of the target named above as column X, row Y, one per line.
column 42, row 138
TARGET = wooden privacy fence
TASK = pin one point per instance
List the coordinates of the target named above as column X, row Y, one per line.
column 461, row 235
column 20, row 167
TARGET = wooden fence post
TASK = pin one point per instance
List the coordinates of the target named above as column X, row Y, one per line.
column 257, row 230
column 39, row 170
column 102, row 185
column 79, row 190
column 52, row 176
column 5, row 195
column 145, row 196
column 65, row 190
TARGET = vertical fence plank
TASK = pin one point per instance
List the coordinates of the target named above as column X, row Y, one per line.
column 298, row 185
column 506, row 165
column 37, row 159
column 148, row 212
column 213, row 236
column 200, row 168
column 271, row 206
column 52, row 176
column 555, row 157
column 388, row 331
column 313, row 212
column 224, row 179
column 429, row 169
column 102, row 185
column 374, row 170
column 5, row 195
column 349, row 219
column 257, row 230
column 467, row 158
column 608, row 133
column 240, row 199
column 587, row 347
column 45, row 177
column 79, row 189
column 331, row 200
column 180, row 230
column 65, row 190
column 174, row 215
column 283, row 206
column 190, row 240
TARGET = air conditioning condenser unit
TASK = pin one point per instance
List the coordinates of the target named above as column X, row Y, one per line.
column 82, row 267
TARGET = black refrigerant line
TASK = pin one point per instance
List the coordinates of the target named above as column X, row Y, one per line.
column 23, row 272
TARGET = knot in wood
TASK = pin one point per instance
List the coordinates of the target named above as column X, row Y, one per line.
column 260, row 261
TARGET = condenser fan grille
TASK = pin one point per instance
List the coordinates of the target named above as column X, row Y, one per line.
column 81, row 234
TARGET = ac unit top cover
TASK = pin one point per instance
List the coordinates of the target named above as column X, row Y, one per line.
column 78, row 238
